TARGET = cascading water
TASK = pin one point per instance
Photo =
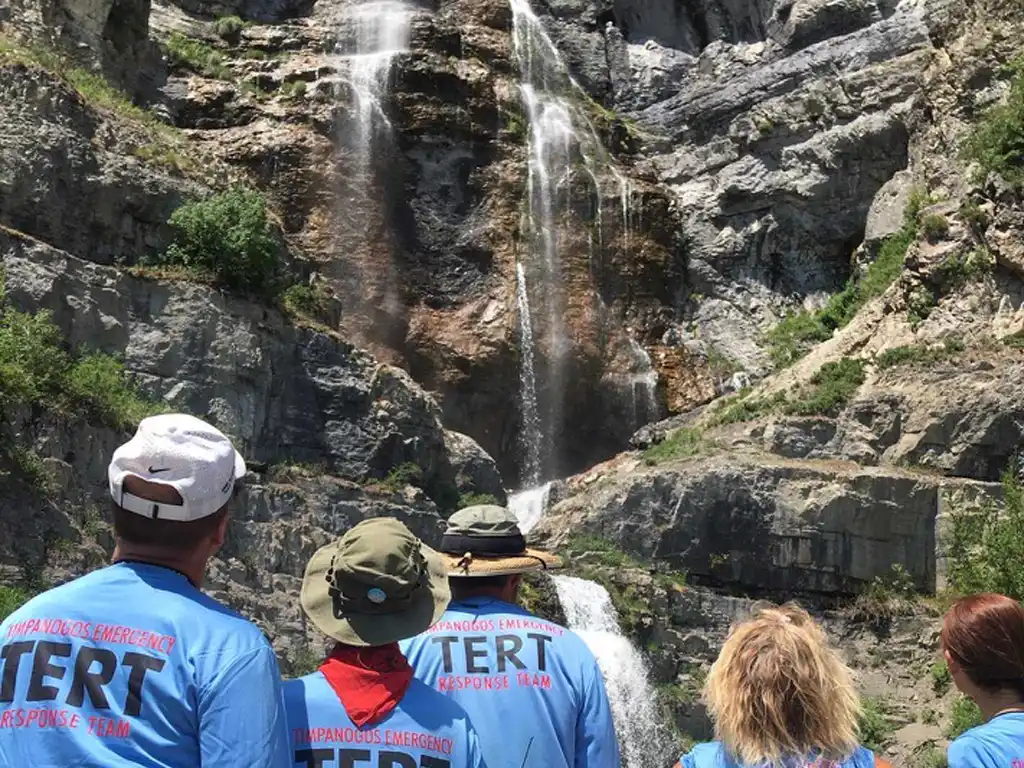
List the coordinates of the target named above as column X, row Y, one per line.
column 529, row 506
column 529, row 435
column 643, row 385
column 381, row 31
column 370, row 36
column 590, row 613
column 564, row 151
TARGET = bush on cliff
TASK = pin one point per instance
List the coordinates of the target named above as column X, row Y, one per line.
column 996, row 143
column 227, row 236
column 986, row 546
column 36, row 370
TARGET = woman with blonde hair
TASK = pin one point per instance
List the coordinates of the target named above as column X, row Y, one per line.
column 780, row 696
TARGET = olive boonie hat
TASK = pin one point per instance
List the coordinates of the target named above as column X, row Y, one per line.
column 375, row 585
column 485, row 540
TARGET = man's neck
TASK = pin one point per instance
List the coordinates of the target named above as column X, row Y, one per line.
column 191, row 566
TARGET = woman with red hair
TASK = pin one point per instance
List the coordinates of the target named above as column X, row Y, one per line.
column 983, row 643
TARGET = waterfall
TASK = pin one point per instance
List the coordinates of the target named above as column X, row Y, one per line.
column 561, row 143
column 529, row 506
column 590, row 613
column 529, row 436
column 565, row 154
column 643, row 386
column 381, row 31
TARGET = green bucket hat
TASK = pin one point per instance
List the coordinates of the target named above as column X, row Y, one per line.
column 375, row 585
column 485, row 540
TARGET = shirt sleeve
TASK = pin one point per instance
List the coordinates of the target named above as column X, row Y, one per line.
column 963, row 753
column 241, row 715
column 596, row 745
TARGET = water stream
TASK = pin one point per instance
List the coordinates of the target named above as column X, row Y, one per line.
column 590, row 613
column 529, row 433
column 529, row 506
column 565, row 157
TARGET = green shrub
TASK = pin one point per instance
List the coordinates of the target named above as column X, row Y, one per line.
column 401, row 476
column 294, row 90
column 229, row 237
column 1014, row 340
column 942, row 679
column 37, row 370
column 996, row 143
column 831, row 388
column 11, row 598
column 929, row 756
column 961, row 268
column 97, row 382
column 305, row 300
column 476, row 499
column 974, row 217
column 188, row 53
column 915, row 353
column 920, row 304
column 886, row 596
column 228, row 27
column 743, row 408
column 874, row 724
column 680, row 444
column 964, row 716
column 599, row 550
column 934, row 226
column 33, row 362
column 987, row 545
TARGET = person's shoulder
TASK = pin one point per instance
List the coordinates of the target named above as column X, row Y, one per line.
column 65, row 594
column 965, row 746
column 422, row 700
column 704, row 755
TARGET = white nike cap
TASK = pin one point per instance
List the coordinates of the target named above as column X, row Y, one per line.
column 182, row 452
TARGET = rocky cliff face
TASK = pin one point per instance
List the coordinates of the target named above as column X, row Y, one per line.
column 752, row 156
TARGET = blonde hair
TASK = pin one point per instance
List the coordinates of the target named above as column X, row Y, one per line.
column 778, row 691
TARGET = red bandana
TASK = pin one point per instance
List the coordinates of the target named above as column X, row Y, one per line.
column 369, row 682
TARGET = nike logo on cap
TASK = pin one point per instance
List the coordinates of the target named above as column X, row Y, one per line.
column 155, row 471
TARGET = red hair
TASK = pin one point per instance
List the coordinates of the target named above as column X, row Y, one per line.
column 984, row 635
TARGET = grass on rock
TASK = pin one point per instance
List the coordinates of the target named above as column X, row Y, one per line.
column 167, row 143
column 680, row 444
column 794, row 336
column 875, row 726
column 996, row 143
column 198, row 56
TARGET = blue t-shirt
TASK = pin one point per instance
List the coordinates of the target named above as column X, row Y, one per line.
column 999, row 743
column 425, row 730
column 132, row 665
column 532, row 689
column 712, row 754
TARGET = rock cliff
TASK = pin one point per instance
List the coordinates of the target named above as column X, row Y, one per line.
column 768, row 245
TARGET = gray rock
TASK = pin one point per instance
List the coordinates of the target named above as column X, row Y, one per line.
column 66, row 178
column 285, row 393
column 764, row 523
column 109, row 35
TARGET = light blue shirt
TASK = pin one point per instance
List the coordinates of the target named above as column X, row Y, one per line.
column 999, row 743
column 425, row 730
column 713, row 755
column 132, row 665
column 532, row 689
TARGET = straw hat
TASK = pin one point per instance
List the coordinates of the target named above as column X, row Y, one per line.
column 485, row 540
column 375, row 585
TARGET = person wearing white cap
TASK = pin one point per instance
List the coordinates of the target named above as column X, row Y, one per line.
column 133, row 665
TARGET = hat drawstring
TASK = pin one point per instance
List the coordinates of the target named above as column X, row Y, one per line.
column 465, row 562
